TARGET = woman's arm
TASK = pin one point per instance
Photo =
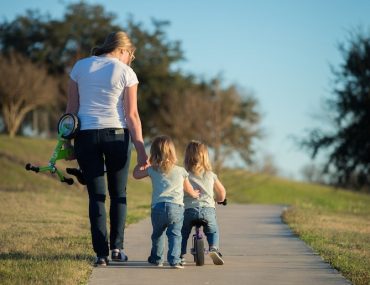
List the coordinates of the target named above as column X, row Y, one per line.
column 220, row 191
column 73, row 103
column 190, row 190
column 134, row 123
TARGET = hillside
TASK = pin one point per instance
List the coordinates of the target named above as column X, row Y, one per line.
column 45, row 236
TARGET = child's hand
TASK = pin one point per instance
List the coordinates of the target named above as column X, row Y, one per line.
column 196, row 194
column 141, row 171
column 144, row 166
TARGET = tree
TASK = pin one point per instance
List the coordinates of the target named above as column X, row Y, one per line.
column 348, row 142
column 155, row 57
column 24, row 86
column 59, row 43
column 223, row 118
column 169, row 101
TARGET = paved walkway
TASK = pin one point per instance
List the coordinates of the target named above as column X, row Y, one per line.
column 257, row 247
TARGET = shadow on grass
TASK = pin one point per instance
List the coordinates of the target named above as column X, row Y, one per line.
column 44, row 257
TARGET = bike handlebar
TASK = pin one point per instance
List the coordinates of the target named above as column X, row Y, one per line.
column 69, row 181
column 32, row 168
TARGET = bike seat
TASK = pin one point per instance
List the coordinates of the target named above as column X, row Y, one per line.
column 199, row 222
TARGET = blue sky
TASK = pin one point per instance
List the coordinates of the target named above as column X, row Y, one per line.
column 280, row 50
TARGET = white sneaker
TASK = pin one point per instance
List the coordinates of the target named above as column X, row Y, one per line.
column 216, row 257
column 183, row 260
column 177, row 266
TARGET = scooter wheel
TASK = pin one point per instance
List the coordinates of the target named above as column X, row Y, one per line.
column 68, row 126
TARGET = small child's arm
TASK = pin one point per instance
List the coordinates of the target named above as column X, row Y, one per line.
column 140, row 171
column 190, row 190
column 219, row 190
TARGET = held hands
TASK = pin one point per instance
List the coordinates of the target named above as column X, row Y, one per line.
column 142, row 159
column 140, row 171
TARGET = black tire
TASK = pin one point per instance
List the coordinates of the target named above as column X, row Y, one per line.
column 69, row 181
column 199, row 252
column 73, row 125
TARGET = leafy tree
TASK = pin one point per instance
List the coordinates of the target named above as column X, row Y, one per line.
column 58, row 43
column 348, row 142
column 155, row 58
column 24, row 86
column 169, row 101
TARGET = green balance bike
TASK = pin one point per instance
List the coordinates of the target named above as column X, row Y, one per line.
column 68, row 126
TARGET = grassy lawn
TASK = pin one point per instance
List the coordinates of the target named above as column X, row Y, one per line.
column 44, row 229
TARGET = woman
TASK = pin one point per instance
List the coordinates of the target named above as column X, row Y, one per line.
column 102, row 92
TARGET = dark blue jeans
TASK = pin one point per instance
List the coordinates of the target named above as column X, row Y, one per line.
column 93, row 150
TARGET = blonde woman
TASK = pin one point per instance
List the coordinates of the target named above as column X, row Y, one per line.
column 102, row 92
column 201, row 177
column 169, row 182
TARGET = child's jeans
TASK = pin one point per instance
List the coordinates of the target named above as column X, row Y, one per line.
column 211, row 230
column 169, row 217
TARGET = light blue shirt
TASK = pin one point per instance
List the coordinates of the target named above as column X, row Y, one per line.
column 168, row 187
column 205, row 184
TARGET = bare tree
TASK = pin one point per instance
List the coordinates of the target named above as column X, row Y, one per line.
column 222, row 118
column 268, row 165
column 24, row 86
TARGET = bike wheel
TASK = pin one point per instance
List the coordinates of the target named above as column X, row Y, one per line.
column 199, row 252
column 68, row 126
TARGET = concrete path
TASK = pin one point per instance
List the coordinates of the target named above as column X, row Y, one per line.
column 258, row 249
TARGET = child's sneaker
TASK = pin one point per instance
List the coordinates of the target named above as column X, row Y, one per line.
column 216, row 256
column 119, row 255
column 156, row 263
column 101, row 261
column 182, row 260
column 177, row 266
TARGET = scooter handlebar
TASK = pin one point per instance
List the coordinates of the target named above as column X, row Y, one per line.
column 224, row 202
column 32, row 168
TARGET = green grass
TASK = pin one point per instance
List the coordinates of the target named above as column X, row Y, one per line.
column 45, row 236
column 44, row 229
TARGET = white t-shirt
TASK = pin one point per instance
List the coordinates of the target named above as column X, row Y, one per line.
column 101, row 82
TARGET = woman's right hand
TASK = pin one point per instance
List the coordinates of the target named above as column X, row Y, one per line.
column 142, row 158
